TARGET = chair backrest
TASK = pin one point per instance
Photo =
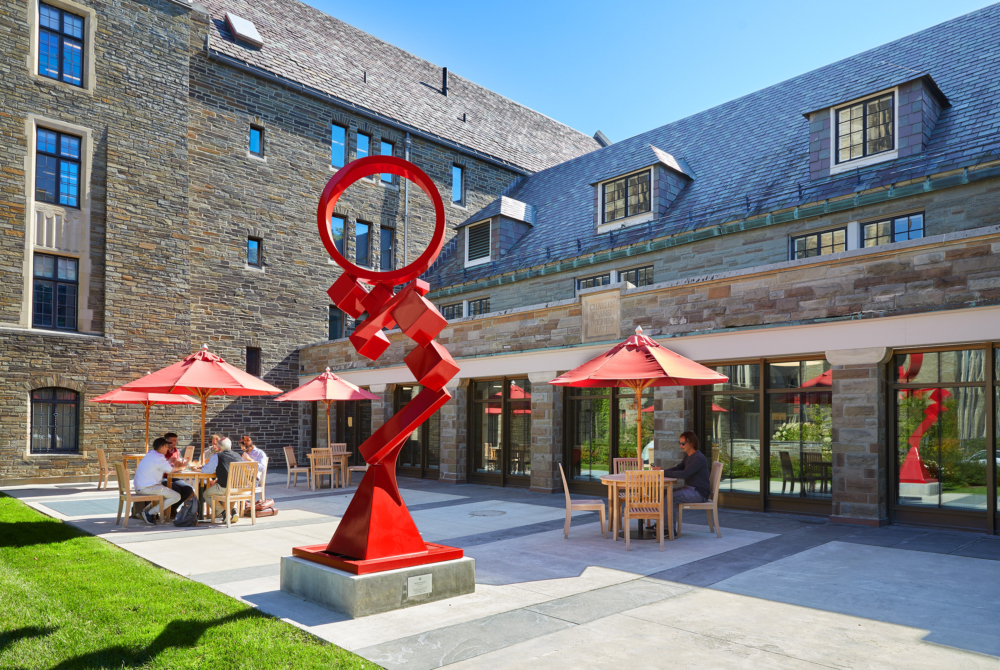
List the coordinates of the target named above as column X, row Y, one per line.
column 290, row 457
column 562, row 474
column 322, row 458
column 189, row 452
column 626, row 464
column 102, row 460
column 122, row 477
column 714, row 479
column 338, row 446
column 242, row 477
column 644, row 487
column 786, row 464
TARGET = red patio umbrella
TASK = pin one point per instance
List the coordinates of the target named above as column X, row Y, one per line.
column 516, row 393
column 202, row 374
column 122, row 397
column 639, row 363
column 327, row 388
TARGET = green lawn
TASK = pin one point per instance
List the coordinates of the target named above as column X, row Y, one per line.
column 70, row 600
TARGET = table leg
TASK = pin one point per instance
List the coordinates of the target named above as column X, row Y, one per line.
column 613, row 506
column 670, row 510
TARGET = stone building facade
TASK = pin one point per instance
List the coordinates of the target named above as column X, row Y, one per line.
column 850, row 289
column 172, row 189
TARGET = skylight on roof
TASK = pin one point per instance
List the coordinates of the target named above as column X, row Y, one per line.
column 243, row 29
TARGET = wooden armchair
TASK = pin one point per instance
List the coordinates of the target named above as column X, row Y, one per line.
column 621, row 465
column 102, row 462
column 242, row 485
column 189, row 453
column 787, row 471
column 126, row 497
column 295, row 468
column 340, row 456
column 581, row 506
column 643, row 500
column 711, row 506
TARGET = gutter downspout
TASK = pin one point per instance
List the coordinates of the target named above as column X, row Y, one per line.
column 406, row 209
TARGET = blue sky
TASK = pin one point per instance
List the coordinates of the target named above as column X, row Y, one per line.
column 627, row 67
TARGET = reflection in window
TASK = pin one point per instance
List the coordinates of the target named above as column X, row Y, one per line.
column 626, row 197
column 257, row 141
column 731, row 426
column 386, row 240
column 478, row 307
column 637, row 276
column 364, row 146
column 592, row 282
column 338, row 145
column 819, row 244
column 452, row 311
column 899, row 229
column 603, row 427
column 865, row 129
column 458, row 184
column 801, row 429
column 337, row 232
column 501, row 427
column 57, row 168
column 362, row 240
column 386, row 149
column 254, row 256
column 60, row 45
column 55, row 418
column 54, row 295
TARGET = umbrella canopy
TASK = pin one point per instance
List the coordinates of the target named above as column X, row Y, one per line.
column 122, row 397
column 202, row 374
column 516, row 393
column 638, row 363
column 327, row 388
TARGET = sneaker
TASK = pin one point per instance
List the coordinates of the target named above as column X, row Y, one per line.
column 148, row 518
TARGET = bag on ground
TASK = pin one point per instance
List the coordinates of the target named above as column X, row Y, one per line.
column 187, row 513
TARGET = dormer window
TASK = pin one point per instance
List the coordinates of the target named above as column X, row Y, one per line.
column 625, row 197
column 865, row 128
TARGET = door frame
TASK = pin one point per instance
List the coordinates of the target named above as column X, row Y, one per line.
column 502, row 478
column 423, row 471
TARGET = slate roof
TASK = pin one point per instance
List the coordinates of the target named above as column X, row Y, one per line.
column 316, row 50
column 750, row 156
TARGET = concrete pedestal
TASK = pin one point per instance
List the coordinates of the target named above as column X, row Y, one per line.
column 363, row 595
column 919, row 490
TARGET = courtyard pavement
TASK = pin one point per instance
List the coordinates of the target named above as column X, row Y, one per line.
column 776, row 591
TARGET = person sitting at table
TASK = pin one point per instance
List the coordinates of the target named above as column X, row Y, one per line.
column 177, row 462
column 218, row 464
column 693, row 470
column 252, row 453
column 148, row 479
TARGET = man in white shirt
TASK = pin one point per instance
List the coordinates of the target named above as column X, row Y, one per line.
column 222, row 458
column 148, row 477
column 252, row 453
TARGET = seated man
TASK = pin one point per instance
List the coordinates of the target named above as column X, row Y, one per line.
column 252, row 453
column 177, row 462
column 693, row 470
column 148, row 477
column 222, row 458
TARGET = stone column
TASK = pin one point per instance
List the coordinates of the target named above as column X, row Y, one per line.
column 860, row 453
column 453, row 419
column 672, row 415
column 546, row 432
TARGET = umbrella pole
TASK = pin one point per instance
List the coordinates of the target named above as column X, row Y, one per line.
column 204, row 402
column 327, row 402
column 146, row 405
column 638, row 387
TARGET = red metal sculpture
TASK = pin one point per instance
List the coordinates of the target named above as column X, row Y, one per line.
column 377, row 532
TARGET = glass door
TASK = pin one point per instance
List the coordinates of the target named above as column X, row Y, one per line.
column 420, row 455
column 500, row 432
column 354, row 426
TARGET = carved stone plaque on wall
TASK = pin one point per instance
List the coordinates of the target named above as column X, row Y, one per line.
column 601, row 315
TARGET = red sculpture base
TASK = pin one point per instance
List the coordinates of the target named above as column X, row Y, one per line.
column 435, row 553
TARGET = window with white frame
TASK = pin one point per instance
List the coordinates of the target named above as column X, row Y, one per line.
column 865, row 128
column 625, row 197
column 637, row 276
column 452, row 311
column 57, row 168
column 477, row 243
column 593, row 282
column 480, row 306
column 896, row 229
column 60, row 45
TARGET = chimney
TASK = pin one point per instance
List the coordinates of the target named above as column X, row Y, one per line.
column 444, row 81
column 602, row 139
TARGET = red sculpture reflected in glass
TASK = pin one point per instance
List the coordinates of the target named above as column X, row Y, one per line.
column 377, row 532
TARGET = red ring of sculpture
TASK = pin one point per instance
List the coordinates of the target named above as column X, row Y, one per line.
column 365, row 167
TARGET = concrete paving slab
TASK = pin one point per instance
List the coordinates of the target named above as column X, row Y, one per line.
column 883, row 537
column 807, row 634
column 465, row 640
column 988, row 548
column 889, row 585
column 599, row 603
column 619, row 641
column 938, row 543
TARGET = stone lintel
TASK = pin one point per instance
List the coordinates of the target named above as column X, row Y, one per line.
column 865, row 356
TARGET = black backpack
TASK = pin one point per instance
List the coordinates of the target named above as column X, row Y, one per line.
column 187, row 513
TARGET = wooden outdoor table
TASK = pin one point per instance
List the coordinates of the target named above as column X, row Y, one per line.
column 132, row 457
column 342, row 456
column 201, row 478
column 614, row 482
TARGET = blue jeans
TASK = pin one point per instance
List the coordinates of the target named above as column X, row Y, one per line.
column 686, row 494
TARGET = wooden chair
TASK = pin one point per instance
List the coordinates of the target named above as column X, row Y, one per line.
column 643, row 500
column 351, row 469
column 711, row 506
column 126, row 497
column 189, row 452
column 321, row 461
column 102, row 462
column 581, row 506
column 242, row 485
column 813, row 471
column 295, row 468
column 621, row 465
